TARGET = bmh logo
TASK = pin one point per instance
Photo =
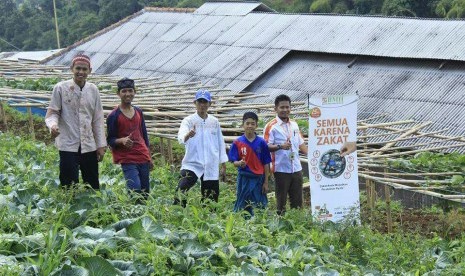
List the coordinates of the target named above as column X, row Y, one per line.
column 333, row 100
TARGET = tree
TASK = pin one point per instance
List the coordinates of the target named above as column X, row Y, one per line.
column 367, row 6
column 451, row 8
column 112, row 11
column 398, row 8
column 321, row 6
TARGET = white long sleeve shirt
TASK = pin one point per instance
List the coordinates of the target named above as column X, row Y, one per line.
column 206, row 150
column 79, row 116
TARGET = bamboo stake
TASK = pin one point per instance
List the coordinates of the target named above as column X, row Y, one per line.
column 381, row 134
column 387, row 196
column 404, row 138
column 162, row 150
column 413, row 174
column 381, row 125
column 416, row 151
column 5, row 123
column 409, row 132
column 461, row 139
column 31, row 122
column 170, row 151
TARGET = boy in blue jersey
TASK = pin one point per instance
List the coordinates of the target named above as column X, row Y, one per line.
column 250, row 154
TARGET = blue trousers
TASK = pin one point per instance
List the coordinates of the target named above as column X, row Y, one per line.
column 249, row 192
column 137, row 177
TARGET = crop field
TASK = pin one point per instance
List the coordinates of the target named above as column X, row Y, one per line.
column 45, row 230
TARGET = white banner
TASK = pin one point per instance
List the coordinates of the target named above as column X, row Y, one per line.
column 333, row 178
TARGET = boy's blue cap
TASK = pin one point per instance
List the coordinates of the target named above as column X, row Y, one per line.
column 203, row 94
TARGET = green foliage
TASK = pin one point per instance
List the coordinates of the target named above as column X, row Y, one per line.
column 398, row 8
column 435, row 162
column 45, row 84
column 48, row 231
column 321, row 6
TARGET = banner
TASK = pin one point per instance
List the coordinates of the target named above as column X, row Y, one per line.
column 333, row 178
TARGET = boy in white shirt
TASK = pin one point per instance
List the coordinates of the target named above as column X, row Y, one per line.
column 201, row 135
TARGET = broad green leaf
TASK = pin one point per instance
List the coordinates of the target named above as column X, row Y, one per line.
column 98, row 266
column 205, row 273
column 195, row 249
column 26, row 196
column 147, row 225
column 28, row 244
column 250, row 270
column 71, row 270
column 321, row 271
column 122, row 224
column 7, row 260
column 93, row 233
column 286, row 271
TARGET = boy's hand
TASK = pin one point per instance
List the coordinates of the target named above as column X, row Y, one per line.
column 287, row 145
column 347, row 148
column 54, row 131
column 100, row 153
column 190, row 134
column 127, row 142
column 265, row 187
column 242, row 163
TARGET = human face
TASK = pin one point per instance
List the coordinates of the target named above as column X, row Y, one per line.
column 249, row 125
column 283, row 109
column 202, row 106
column 80, row 72
column 126, row 95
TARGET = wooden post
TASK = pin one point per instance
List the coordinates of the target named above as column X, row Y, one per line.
column 31, row 122
column 170, row 152
column 162, row 150
column 3, row 113
column 387, row 192
column 387, row 196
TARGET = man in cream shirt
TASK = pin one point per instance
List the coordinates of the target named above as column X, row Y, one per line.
column 201, row 135
column 75, row 119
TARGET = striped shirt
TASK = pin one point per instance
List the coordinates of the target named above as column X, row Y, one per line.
column 277, row 132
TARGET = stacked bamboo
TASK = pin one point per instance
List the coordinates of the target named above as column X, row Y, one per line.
column 166, row 103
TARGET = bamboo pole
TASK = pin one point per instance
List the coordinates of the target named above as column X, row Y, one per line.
column 387, row 196
column 382, row 125
column 403, row 138
column 407, row 133
column 170, row 152
column 162, row 150
column 3, row 112
column 31, row 122
column 417, row 151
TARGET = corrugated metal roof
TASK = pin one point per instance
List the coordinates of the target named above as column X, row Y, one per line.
column 230, row 8
column 28, row 55
column 235, row 23
column 406, row 89
column 394, row 63
column 376, row 36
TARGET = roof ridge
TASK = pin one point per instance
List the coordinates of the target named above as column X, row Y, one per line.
column 169, row 9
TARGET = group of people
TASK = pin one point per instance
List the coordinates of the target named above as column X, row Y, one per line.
column 76, row 120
